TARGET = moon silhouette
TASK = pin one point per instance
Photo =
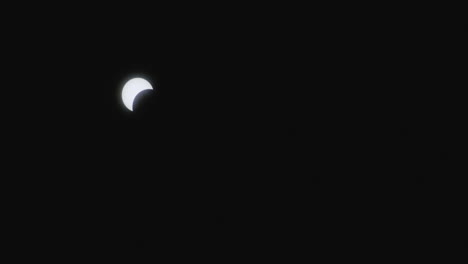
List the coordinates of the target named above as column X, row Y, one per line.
column 132, row 88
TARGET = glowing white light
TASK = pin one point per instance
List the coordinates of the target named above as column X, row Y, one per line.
column 132, row 88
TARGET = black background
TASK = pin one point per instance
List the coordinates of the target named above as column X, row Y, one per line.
column 259, row 123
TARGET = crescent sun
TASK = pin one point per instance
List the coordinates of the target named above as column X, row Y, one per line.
column 132, row 88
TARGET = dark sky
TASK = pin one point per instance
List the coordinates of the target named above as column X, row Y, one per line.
column 248, row 126
column 194, row 154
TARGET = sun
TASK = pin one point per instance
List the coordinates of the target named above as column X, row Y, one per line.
column 132, row 88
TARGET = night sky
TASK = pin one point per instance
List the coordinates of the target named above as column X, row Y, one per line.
column 254, row 133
